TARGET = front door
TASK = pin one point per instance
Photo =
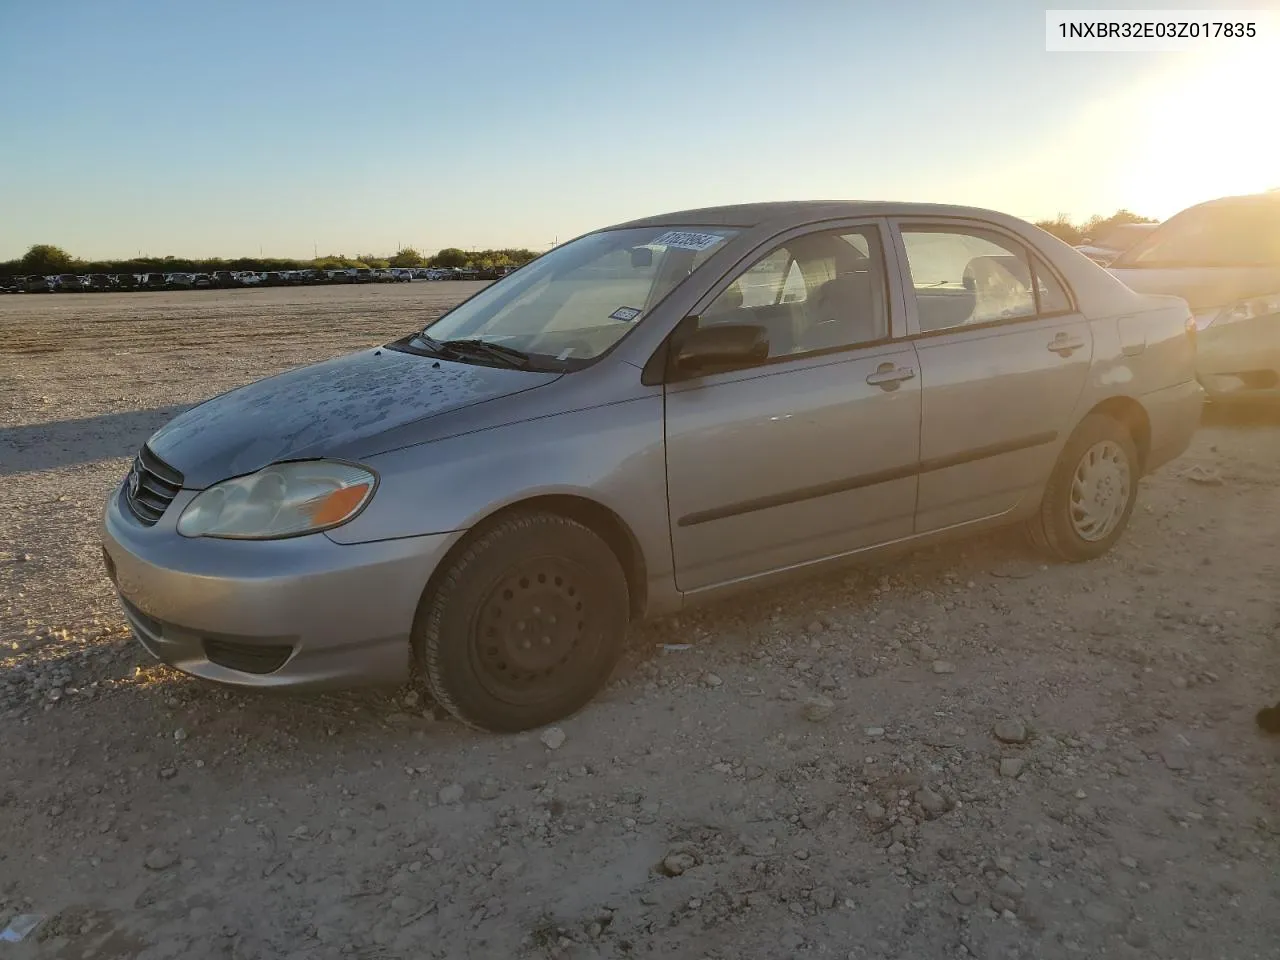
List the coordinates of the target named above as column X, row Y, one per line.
column 812, row 453
column 1004, row 358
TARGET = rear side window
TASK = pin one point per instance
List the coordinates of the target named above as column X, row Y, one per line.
column 1052, row 295
column 967, row 277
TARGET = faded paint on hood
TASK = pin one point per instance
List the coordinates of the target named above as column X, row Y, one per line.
column 1203, row 287
column 334, row 408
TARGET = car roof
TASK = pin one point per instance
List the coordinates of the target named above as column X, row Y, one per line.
column 1243, row 200
column 782, row 215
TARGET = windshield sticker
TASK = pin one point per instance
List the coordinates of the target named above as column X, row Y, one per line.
column 565, row 354
column 687, row 241
column 625, row 314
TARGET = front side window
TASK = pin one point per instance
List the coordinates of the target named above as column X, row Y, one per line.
column 966, row 277
column 1240, row 234
column 819, row 291
column 577, row 301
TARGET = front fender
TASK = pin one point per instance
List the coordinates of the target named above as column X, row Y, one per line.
column 611, row 454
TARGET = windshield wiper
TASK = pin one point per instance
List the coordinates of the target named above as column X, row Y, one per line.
column 509, row 356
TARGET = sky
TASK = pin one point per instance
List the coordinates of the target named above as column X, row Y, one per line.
column 290, row 129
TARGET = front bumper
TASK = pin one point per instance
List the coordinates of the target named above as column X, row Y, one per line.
column 1239, row 359
column 305, row 612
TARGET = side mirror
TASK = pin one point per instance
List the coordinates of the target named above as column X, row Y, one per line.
column 641, row 257
column 721, row 345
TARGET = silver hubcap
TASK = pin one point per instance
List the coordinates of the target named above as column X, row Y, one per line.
column 1100, row 490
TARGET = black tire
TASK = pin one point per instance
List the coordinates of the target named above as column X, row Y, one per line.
column 524, row 624
column 1052, row 529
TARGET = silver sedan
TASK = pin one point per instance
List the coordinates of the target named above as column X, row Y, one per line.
column 650, row 416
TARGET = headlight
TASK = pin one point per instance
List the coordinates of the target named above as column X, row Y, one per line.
column 1249, row 309
column 282, row 500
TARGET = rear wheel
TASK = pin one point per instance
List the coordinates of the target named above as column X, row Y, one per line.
column 524, row 624
column 1090, row 494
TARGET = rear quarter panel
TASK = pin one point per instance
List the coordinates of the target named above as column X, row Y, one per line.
column 1147, row 355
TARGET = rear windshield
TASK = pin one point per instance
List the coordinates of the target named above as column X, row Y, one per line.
column 1244, row 234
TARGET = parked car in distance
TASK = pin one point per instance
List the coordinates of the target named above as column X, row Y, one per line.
column 362, row 275
column 179, row 281
column 225, row 279
column 201, row 281
column 1222, row 257
column 124, row 282
column 339, row 275
column 401, row 275
column 37, row 284
column 731, row 396
column 1114, row 241
column 70, row 283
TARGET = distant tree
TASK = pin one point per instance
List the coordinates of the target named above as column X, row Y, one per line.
column 1062, row 228
column 450, row 257
column 406, row 257
column 1096, row 225
column 45, row 258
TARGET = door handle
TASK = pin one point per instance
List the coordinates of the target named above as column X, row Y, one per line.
column 1065, row 345
column 888, row 376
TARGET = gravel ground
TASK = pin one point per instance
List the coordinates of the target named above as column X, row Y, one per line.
column 963, row 753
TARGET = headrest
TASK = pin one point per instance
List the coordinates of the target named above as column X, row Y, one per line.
column 1000, row 270
column 730, row 299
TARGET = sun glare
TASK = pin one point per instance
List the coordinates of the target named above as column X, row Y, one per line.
column 1204, row 130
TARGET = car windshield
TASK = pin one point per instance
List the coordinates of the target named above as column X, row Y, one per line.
column 1245, row 234
column 577, row 301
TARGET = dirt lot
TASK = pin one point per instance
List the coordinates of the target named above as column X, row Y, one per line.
column 1016, row 760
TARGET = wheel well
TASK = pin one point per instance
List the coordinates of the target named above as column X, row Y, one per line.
column 602, row 521
column 1131, row 415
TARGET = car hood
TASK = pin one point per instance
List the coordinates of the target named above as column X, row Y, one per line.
column 1203, row 287
column 337, row 408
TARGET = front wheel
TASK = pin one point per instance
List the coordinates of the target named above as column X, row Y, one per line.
column 524, row 624
column 1090, row 494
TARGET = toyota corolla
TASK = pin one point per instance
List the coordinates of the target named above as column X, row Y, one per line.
column 650, row 416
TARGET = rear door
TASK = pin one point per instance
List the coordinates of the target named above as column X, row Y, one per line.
column 812, row 453
column 1004, row 358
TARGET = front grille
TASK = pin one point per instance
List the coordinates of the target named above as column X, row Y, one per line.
column 156, row 485
column 247, row 657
